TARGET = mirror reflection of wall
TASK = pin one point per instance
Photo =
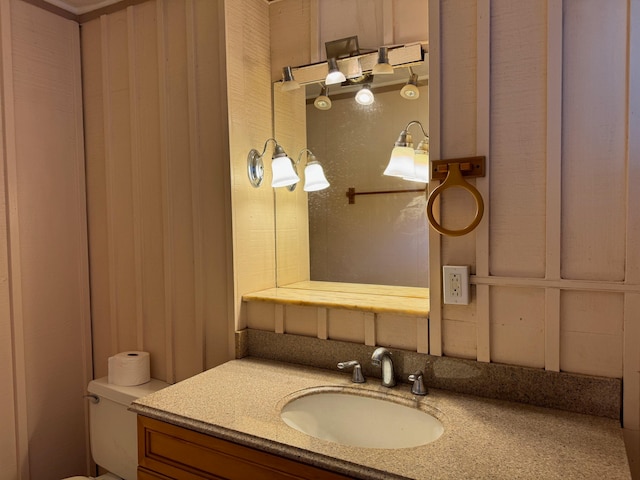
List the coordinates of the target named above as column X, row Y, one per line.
column 381, row 238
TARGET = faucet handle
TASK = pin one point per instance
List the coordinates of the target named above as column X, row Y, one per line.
column 357, row 376
column 418, row 387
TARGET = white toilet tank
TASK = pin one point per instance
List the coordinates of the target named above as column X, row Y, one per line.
column 113, row 427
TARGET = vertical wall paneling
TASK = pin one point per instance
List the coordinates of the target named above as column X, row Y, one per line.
column 21, row 440
column 631, row 367
column 553, row 225
column 483, row 111
column 250, row 124
column 106, row 109
column 167, row 206
column 632, row 302
column 435, row 261
column 196, row 168
column 43, row 162
column 157, row 160
column 594, row 106
column 136, row 174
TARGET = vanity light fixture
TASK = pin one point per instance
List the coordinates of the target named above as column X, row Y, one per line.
column 288, row 81
column 410, row 90
column 314, row 178
column 322, row 101
column 365, row 96
column 383, row 67
column 402, row 161
column 282, row 167
column 335, row 75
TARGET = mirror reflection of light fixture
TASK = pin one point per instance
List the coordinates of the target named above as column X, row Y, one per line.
column 282, row 167
column 383, row 67
column 410, row 90
column 335, row 75
column 288, row 82
column 365, row 96
column 421, row 168
column 403, row 156
column 314, row 178
column 322, row 101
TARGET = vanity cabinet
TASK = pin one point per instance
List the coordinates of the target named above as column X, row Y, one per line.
column 166, row 451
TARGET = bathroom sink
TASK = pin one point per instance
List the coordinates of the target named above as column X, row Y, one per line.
column 361, row 421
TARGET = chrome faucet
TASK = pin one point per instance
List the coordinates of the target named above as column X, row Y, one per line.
column 382, row 358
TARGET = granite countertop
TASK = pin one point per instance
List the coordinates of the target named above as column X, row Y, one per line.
column 483, row 439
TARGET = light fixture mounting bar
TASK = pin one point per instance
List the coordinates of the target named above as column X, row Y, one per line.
column 402, row 56
column 470, row 167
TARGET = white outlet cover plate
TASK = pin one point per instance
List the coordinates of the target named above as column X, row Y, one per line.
column 455, row 283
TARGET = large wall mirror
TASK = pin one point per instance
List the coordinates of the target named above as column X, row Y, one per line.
column 380, row 234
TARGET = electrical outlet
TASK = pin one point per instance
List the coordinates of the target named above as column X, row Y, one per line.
column 455, row 282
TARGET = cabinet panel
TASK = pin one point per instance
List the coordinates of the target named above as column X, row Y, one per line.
column 177, row 452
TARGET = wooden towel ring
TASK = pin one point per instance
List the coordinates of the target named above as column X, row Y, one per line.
column 455, row 179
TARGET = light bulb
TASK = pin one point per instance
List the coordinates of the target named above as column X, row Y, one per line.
column 364, row 96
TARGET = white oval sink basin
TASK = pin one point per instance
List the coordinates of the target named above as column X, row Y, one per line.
column 361, row 421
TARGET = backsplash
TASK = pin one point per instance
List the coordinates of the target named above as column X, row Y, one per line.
column 591, row 395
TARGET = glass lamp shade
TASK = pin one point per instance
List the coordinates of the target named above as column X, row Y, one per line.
column 283, row 172
column 322, row 101
column 420, row 167
column 364, row 96
column 382, row 67
column 335, row 75
column 410, row 92
column 288, row 82
column 314, row 178
column 401, row 163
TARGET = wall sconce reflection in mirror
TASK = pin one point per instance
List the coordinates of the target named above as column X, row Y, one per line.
column 282, row 167
column 409, row 163
column 314, row 178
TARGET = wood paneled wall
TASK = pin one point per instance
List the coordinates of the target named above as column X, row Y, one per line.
column 543, row 89
column 45, row 344
column 158, row 185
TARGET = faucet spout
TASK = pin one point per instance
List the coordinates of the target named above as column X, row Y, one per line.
column 381, row 357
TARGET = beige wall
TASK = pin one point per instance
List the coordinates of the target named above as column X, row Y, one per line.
column 158, row 189
column 543, row 90
column 45, row 350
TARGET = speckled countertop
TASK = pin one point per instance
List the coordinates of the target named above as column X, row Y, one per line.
column 483, row 439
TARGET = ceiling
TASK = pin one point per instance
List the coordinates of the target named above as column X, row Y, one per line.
column 79, row 7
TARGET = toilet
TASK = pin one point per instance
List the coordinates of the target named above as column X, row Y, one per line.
column 113, row 428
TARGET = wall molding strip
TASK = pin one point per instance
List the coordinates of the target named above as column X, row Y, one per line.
column 554, row 183
column 563, row 284
column 483, row 147
column 435, row 141
column 167, row 208
column 138, row 223
column 108, row 157
column 196, row 190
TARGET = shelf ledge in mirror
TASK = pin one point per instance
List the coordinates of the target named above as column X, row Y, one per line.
column 349, row 296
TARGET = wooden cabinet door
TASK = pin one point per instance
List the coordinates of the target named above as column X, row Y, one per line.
column 178, row 453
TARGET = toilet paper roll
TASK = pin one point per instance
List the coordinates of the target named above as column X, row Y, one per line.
column 130, row 368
